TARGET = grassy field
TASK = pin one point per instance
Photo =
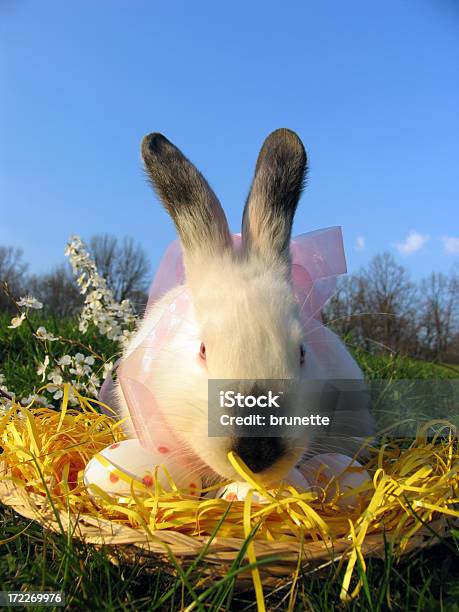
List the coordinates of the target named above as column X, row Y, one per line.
column 31, row 558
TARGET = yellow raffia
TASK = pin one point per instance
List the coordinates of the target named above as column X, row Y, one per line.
column 49, row 449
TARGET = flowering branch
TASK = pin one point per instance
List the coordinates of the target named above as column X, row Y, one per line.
column 113, row 320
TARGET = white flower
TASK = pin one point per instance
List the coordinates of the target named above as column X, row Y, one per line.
column 127, row 335
column 72, row 398
column 42, row 334
column 79, row 370
column 89, row 360
column 65, row 360
column 4, row 388
column 114, row 333
column 79, row 357
column 93, row 380
column 30, row 302
column 40, row 399
column 55, row 377
column 112, row 319
column 108, row 367
column 31, row 398
column 42, row 367
column 5, row 405
column 17, row 321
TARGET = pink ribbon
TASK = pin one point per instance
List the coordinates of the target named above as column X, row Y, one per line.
column 317, row 259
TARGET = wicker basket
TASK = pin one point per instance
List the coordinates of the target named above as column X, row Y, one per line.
column 134, row 545
column 424, row 476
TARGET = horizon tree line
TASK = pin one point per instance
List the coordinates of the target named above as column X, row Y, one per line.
column 378, row 309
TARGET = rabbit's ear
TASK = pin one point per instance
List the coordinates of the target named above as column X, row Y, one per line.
column 276, row 188
column 187, row 197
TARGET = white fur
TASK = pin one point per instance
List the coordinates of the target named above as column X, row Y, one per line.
column 246, row 314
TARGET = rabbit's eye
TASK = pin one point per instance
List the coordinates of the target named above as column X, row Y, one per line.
column 202, row 350
column 302, row 354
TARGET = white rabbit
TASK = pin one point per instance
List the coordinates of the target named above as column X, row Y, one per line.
column 244, row 321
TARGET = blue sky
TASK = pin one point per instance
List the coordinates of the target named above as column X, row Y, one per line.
column 372, row 88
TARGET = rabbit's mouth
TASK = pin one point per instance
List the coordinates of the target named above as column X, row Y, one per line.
column 260, row 454
column 269, row 458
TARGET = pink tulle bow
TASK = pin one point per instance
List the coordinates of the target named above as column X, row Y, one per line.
column 317, row 259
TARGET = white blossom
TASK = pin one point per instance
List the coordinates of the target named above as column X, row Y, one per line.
column 35, row 398
column 108, row 367
column 111, row 318
column 80, row 369
column 30, row 302
column 42, row 367
column 42, row 334
column 55, row 377
column 101, row 311
column 65, row 360
column 5, row 403
column 93, row 380
column 58, row 392
column 17, row 321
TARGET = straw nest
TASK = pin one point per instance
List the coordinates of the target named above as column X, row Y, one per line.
column 412, row 496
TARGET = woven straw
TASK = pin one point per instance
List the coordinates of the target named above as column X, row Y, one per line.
column 410, row 499
column 135, row 545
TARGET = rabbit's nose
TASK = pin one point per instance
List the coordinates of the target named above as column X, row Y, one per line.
column 259, row 454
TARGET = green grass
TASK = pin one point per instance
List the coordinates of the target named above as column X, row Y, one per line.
column 33, row 558
column 401, row 367
column 37, row 559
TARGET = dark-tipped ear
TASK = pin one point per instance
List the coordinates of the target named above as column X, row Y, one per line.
column 187, row 197
column 276, row 188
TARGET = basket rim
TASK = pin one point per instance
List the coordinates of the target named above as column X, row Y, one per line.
column 221, row 551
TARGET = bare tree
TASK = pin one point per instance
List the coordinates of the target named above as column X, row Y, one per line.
column 124, row 265
column 391, row 298
column 343, row 312
column 440, row 312
column 57, row 291
column 376, row 308
column 12, row 271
